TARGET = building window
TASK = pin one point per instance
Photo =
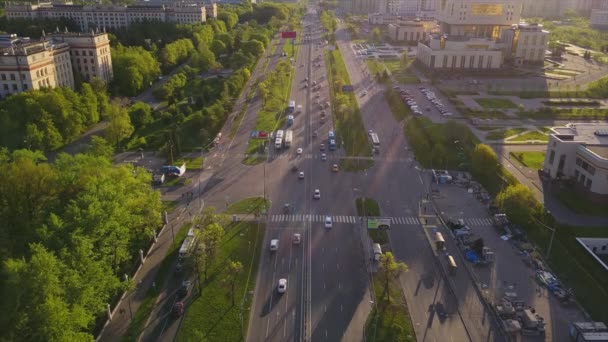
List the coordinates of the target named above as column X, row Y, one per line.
column 12, row 77
column 15, row 87
column 588, row 183
column 445, row 61
column 462, row 60
column 471, row 62
column 24, row 87
column 579, row 161
column 480, row 62
column 489, row 62
column 551, row 157
column 576, row 174
column 3, row 77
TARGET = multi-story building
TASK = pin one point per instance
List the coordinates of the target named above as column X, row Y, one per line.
column 416, row 8
column 90, row 53
column 486, row 18
column 112, row 16
column 409, row 31
column 443, row 52
column 51, row 61
column 359, row 6
column 525, row 43
column 25, row 65
column 579, row 151
column 599, row 18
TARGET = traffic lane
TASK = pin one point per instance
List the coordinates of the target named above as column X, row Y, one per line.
column 338, row 281
column 424, row 287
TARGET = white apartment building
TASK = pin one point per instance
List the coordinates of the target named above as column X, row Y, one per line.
column 525, row 43
column 459, row 53
column 112, row 16
column 409, row 31
column 25, row 65
column 579, row 151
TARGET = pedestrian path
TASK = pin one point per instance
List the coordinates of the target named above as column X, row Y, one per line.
column 404, row 220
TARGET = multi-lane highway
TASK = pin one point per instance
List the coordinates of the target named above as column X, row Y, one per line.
column 327, row 279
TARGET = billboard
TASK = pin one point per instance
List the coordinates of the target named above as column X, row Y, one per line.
column 288, row 34
column 486, row 9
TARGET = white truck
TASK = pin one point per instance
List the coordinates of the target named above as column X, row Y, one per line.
column 288, row 138
column 278, row 140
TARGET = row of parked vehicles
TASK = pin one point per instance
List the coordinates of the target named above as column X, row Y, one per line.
column 407, row 98
column 431, row 96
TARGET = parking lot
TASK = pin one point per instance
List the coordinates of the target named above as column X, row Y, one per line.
column 511, row 275
column 372, row 51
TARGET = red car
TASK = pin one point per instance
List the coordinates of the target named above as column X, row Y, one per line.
column 178, row 309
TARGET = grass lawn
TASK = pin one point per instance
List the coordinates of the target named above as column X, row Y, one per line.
column 402, row 74
column 390, row 319
column 531, row 135
column 367, row 207
column 143, row 312
column 191, row 163
column 175, row 181
column 212, row 316
column 579, row 204
column 493, row 103
column 399, row 109
column 375, row 67
column 348, row 122
column 168, row 206
column 249, row 205
column 532, row 159
column 503, row 134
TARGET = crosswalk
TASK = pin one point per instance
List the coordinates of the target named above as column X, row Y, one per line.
column 404, row 220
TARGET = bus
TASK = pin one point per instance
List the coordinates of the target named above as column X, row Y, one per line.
column 292, row 106
column 375, row 142
column 439, row 241
column 187, row 245
column 452, row 265
column 288, row 138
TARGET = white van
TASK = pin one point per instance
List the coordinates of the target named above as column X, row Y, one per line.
column 377, row 251
column 274, row 245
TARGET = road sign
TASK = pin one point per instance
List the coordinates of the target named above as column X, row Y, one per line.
column 288, row 34
column 379, row 223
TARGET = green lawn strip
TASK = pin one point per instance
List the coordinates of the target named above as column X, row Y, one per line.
column 571, row 102
column 375, row 67
column 176, row 181
column 249, row 205
column 407, row 79
column 494, row 103
column 348, row 122
column 503, row 134
column 545, row 130
column 530, row 135
column 143, row 312
column 580, row 204
column 168, row 206
column 211, row 316
column 566, row 113
column 191, row 163
column 398, row 108
column 390, row 319
column 367, row 207
column 531, row 159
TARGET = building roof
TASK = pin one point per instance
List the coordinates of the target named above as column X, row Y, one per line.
column 592, row 134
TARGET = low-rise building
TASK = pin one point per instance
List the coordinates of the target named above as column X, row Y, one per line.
column 443, row 52
column 111, row 16
column 408, row 31
column 525, row 43
column 579, row 152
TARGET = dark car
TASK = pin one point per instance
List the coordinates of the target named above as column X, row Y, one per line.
column 178, row 309
column 185, row 289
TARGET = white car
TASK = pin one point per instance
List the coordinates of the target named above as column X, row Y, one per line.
column 317, row 194
column 274, row 245
column 297, row 238
column 328, row 222
column 301, row 175
column 299, row 151
column 282, row 287
column 323, row 156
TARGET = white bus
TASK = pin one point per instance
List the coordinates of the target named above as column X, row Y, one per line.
column 187, row 245
column 375, row 142
column 288, row 137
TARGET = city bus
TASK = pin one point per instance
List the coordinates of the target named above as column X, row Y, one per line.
column 375, row 142
column 439, row 241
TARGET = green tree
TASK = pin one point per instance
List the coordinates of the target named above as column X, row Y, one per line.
column 100, row 147
column 390, row 269
column 210, row 237
column 376, row 34
column 519, row 203
column 120, row 126
column 134, row 70
column 229, row 18
column 218, row 47
column 140, row 114
column 204, row 59
column 233, row 270
column 484, row 161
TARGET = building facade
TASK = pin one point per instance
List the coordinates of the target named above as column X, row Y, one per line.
column 485, row 18
column 50, row 62
column 112, row 16
column 442, row 52
column 579, row 152
column 89, row 53
column 525, row 43
column 408, row 31
column 599, row 18
column 25, row 65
